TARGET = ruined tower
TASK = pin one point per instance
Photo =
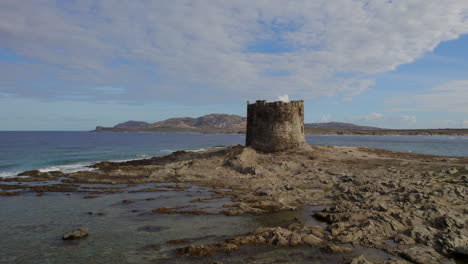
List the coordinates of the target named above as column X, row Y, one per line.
column 275, row 126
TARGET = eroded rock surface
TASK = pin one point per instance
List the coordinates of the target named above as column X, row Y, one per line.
column 418, row 202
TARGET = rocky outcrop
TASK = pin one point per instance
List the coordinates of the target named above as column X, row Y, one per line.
column 75, row 234
column 292, row 236
column 409, row 205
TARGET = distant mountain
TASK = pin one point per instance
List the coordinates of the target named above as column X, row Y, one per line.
column 211, row 122
column 125, row 126
column 130, row 124
column 338, row 125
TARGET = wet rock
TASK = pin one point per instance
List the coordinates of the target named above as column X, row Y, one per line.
column 90, row 196
column 311, row 240
column 9, row 193
column 150, row 228
column 206, row 251
column 419, row 254
column 41, row 175
column 332, row 248
column 317, row 231
column 396, row 261
column 360, row 260
column 178, row 241
column 151, row 247
column 295, row 239
column 78, row 233
column 127, row 201
column 33, row 173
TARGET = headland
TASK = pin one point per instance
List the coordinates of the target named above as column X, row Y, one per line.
column 411, row 206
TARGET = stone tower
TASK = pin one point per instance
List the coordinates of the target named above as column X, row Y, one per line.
column 275, row 126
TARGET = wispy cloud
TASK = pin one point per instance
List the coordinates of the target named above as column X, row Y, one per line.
column 206, row 50
column 384, row 120
column 448, row 97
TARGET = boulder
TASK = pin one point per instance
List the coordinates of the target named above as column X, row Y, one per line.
column 78, row 233
column 360, row 260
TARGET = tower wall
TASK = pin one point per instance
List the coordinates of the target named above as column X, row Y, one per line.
column 275, row 126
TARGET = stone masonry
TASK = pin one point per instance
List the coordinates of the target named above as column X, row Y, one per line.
column 275, row 126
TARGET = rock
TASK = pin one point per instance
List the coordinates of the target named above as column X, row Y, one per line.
column 39, row 174
column 423, row 234
column 151, row 247
column 317, row 231
column 466, row 167
column 79, row 233
column 295, row 239
column 332, row 248
column 264, row 192
column 360, row 260
column 206, row 251
column 32, row 173
column 419, row 254
column 152, row 229
column 455, row 242
column 127, row 201
column 405, row 240
column 396, row 261
column 311, row 240
column 452, row 171
column 178, row 241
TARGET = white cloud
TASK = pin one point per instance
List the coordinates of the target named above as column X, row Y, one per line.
column 156, row 50
column 448, row 123
column 283, row 98
column 408, row 119
column 373, row 117
column 450, row 97
column 325, row 118
column 465, row 123
column 386, row 121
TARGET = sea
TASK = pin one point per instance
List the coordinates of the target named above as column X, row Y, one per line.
column 31, row 226
column 74, row 151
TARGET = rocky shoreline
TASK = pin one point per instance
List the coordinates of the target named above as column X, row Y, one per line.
column 410, row 205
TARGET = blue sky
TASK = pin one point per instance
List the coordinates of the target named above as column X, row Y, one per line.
column 72, row 65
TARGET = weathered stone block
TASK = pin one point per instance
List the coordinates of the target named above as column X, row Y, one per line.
column 275, row 126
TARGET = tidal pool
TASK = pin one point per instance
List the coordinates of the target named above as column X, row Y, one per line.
column 31, row 228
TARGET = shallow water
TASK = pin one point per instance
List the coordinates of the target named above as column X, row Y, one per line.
column 31, row 228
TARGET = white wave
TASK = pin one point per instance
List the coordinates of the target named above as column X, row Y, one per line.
column 68, row 168
column 197, row 150
column 167, row 150
column 8, row 174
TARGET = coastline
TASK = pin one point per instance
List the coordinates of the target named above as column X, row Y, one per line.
column 313, row 131
column 371, row 195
